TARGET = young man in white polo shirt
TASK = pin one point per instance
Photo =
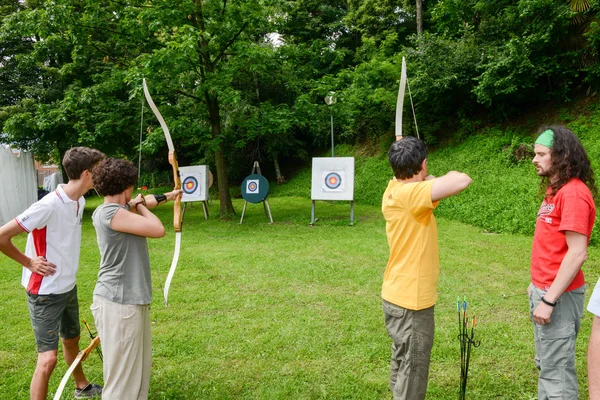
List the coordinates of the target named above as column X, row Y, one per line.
column 50, row 264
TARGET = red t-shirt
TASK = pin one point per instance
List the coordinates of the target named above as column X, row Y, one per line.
column 572, row 208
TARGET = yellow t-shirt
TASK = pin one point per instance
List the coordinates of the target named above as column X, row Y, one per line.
column 412, row 271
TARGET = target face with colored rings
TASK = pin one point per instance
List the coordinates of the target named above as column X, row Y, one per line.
column 190, row 185
column 333, row 180
column 252, row 186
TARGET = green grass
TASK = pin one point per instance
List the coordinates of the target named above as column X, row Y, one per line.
column 290, row 311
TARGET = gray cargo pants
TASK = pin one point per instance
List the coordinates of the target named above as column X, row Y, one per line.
column 412, row 336
column 555, row 344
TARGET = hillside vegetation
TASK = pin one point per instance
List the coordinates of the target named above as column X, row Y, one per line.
column 504, row 196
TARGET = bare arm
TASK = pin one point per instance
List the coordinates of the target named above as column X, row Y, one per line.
column 569, row 268
column 38, row 265
column 151, row 201
column 448, row 185
column 143, row 223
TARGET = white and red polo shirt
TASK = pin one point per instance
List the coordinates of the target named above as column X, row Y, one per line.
column 54, row 227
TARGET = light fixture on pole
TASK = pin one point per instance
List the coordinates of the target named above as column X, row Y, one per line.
column 329, row 100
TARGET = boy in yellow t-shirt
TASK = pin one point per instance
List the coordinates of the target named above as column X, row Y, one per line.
column 409, row 289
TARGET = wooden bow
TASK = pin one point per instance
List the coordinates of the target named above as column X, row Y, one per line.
column 177, row 215
column 400, row 102
column 82, row 356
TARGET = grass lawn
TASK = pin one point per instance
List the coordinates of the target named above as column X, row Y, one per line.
column 290, row 311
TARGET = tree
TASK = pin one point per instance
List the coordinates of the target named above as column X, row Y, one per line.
column 64, row 96
column 199, row 45
column 419, row 16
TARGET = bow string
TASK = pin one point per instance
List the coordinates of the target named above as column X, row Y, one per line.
column 177, row 214
column 400, row 102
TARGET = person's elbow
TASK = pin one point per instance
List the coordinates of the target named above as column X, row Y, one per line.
column 450, row 184
column 157, row 232
column 580, row 255
column 5, row 241
column 460, row 181
column 464, row 181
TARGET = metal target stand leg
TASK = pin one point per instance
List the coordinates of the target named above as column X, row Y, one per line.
column 312, row 214
column 243, row 211
column 352, row 213
column 205, row 207
column 268, row 208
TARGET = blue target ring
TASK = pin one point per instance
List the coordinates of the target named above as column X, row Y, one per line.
column 252, row 187
column 333, row 180
column 190, row 185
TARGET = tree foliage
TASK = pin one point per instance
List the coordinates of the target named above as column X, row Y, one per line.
column 242, row 81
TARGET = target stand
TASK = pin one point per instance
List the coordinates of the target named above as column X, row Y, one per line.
column 332, row 179
column 195, row 182
column 255, row 189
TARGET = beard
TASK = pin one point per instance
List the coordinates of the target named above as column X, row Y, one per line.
column 542, row 172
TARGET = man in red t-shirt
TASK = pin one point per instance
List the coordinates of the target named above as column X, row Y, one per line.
column 562, row 232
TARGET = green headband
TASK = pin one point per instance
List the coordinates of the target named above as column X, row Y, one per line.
column 546, row 138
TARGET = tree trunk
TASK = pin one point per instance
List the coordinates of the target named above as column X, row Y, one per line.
column 280, row 178
column 212, row 102
column 419, row 16
column 222, row 179
column 61, row 153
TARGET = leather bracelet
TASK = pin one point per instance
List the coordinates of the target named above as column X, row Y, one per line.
column 547, row 302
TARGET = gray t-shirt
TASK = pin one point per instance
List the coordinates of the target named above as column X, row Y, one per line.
column 124, row 275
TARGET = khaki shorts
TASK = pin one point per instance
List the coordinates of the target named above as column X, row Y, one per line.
column 51, row 314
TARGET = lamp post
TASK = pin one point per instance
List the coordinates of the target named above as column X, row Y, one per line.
column 329, row 100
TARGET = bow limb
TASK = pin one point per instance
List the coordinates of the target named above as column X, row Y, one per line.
column 82, row 356
column 400, row 101
column 177, row 215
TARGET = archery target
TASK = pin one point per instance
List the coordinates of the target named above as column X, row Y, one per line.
column 332, row 178
column 252, row 186
column 190, row 185
column 255, row 188
column 194, row 183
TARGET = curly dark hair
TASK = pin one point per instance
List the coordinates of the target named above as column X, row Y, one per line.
column 406, row 156
column 568, row 160
column 113, row 176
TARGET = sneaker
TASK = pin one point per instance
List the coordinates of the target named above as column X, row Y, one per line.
column 90, row 390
